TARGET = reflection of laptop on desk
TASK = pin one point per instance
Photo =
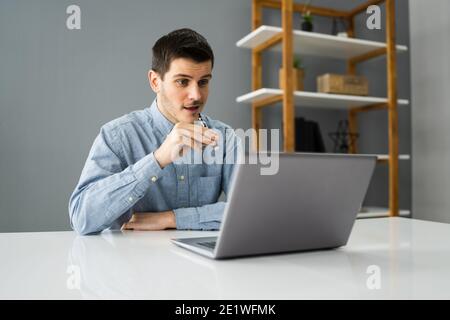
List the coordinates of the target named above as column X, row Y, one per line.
column 311, row 203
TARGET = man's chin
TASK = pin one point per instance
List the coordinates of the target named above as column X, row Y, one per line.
column 189, row 116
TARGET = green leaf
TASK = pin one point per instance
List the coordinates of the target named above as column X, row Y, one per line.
column 298, row 62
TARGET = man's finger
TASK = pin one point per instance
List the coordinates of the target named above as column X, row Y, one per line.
column 135, row 226
column 127, row 226
column 196, row 134
column 203, row 130
column 191, row 143
column 204, row 138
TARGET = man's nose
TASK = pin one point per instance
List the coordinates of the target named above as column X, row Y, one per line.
column 194, row 92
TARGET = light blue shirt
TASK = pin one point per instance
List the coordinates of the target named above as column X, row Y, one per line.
column 121, row 176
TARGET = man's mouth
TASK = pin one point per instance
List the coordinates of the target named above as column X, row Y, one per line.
column 192, row 109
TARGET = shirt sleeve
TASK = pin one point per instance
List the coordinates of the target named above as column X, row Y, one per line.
column 107, row 189
column 209, row 217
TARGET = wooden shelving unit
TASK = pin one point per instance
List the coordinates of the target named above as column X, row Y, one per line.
column 353, row 51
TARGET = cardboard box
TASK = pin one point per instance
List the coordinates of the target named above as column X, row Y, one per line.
column 343, row 84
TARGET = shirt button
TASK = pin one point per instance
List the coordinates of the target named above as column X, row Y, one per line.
column 181, row 178
column 130, row 199
column 154, row 178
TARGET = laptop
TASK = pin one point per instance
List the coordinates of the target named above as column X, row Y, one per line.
column 311, row 203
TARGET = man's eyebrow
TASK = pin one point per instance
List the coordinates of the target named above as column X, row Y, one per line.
column 190, row 77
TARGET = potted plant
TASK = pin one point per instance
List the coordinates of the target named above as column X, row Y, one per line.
column 307, row 23
column 297, row 75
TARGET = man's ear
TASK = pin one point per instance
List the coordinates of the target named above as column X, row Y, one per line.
column 155, row 80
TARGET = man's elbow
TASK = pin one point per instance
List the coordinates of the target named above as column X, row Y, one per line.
column 81, row 226
column 80, row 222
column 84, row 230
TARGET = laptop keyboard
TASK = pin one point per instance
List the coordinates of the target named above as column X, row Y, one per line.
column 209, row 244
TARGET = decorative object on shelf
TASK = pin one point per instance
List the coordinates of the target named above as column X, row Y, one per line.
column 307, row 19
column 308, row 137
column 298, row 75
column 298, row 62
column 343, row 84
column 343, row 139
column 339, row 27
column 307, row 23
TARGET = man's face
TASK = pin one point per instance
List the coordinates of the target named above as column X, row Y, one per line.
column 182, row 95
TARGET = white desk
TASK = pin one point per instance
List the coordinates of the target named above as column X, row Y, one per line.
column 413, row 258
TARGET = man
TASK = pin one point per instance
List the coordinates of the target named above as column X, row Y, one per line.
column 132, row 178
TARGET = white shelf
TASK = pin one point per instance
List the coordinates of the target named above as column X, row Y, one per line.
column 386, row 156
column 316, row 99
column 400, row 157
column 317, row 44
column 378, row 212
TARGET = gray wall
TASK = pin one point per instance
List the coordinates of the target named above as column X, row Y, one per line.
column 57, row 87
column 430, row 50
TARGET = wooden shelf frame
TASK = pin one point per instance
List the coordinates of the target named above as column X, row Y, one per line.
column 286, row 37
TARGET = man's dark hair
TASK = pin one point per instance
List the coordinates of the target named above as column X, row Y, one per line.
column 181, row 43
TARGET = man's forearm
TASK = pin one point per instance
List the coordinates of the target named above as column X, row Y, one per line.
column 126, row 188
column 151, row 221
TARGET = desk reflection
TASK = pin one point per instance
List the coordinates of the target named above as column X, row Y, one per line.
column 121, row 265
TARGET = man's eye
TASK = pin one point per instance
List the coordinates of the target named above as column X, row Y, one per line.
column 203, row 83
column 183, row 82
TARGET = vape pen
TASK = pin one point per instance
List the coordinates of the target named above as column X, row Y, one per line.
column 203, row 124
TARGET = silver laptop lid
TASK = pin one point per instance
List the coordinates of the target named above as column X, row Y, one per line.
column 310, row 203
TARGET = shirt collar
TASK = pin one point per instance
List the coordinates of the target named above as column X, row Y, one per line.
column 161, row 122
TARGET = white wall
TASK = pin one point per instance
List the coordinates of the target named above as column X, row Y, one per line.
column 430, row 67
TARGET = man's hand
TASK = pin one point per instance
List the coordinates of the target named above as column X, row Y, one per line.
column 184, row 136
column 151, row 221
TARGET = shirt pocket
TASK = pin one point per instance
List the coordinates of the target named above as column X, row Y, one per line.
column 208, row 189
